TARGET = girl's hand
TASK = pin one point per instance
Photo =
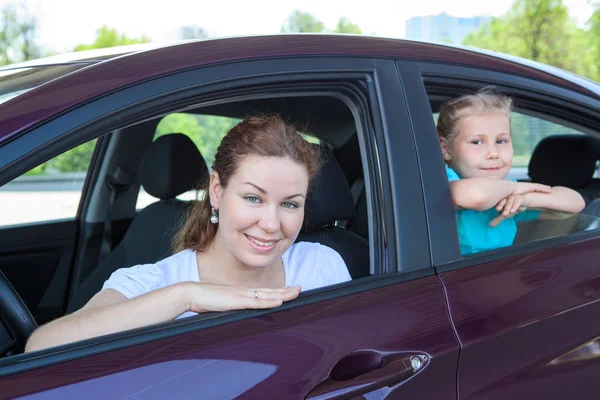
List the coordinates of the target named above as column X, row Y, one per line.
column 204, row 297
column 508, row 208
column 528, row 187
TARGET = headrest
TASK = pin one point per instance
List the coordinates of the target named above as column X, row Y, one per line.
column 329, row 198
column 171, row 166
column 564, row 160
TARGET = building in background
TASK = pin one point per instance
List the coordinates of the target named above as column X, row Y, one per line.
column 442, row 27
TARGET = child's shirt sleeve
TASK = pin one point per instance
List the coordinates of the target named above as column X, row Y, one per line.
column 452, row 176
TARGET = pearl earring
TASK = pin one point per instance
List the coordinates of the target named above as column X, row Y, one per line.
column 214, row 218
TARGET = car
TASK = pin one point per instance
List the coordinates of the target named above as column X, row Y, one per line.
column 91, row 180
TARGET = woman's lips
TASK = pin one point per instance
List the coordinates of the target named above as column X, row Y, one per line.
column 261, row 245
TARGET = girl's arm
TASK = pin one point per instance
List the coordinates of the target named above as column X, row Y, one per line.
column 109, row 311
column 560, row 199
column 484, row 193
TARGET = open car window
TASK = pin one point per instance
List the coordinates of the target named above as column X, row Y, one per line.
column 548, row 152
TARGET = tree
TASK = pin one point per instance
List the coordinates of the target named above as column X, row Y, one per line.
column 539, row 30
column 344, row 25
column 593, row 39
column 191, row 32
column 300, row 21
column 107, row 37
column 18, row 32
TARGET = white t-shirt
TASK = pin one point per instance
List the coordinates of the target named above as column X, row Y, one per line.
column 310, row 265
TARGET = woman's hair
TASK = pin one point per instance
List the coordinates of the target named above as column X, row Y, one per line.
column 264, row 135
column 482, row 101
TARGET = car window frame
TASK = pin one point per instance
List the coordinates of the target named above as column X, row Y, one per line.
column 76, row 126
column 579, row 111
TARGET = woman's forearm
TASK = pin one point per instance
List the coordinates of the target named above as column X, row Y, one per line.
column 155, row 307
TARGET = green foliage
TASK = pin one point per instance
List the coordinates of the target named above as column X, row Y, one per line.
column 75, row 160
column 206, row 131
column 107, row 37
column 344, row 25
column 17, row 34
column 302, row 22
column 539, row 30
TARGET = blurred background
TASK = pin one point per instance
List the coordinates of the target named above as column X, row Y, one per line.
column 562, row 33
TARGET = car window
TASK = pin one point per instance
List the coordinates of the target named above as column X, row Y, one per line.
column 206, row 131
column 50, row 191
column 527, row 131
column 534, row 224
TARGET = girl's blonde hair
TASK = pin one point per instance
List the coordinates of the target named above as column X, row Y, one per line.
column 482, row 101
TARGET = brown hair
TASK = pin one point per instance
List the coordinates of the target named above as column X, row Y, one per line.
column 265, row 135
column 484, row 100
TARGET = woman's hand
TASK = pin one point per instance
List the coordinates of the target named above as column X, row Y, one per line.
column 508, row 208
column 204, row 297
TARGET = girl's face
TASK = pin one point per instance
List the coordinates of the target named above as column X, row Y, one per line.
column 482, row 146
column 262, row 208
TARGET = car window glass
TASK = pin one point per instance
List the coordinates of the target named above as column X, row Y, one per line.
column 50, row 191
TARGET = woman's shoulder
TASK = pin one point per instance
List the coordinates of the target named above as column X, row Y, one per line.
column 302, row 250
column 142, row 278
column 314, row 265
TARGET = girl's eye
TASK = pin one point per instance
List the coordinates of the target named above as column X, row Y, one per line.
column 478, row 141
column 252, row 199
column 502, row 141
column 289, row 204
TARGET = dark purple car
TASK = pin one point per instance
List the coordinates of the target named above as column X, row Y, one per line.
column 85, row 189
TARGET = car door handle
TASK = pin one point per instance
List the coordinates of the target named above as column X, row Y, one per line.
column 368, row 370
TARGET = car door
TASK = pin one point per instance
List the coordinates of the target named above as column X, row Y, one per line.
column 388, row 334
column 525, row 315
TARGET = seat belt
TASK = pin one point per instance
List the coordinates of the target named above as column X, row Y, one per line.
column 117, row 182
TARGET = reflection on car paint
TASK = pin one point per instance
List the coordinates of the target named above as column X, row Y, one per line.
column 202, row 379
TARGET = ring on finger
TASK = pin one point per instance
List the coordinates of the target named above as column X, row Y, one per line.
column 256, row 294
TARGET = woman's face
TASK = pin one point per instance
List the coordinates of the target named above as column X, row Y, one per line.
column 262, row 208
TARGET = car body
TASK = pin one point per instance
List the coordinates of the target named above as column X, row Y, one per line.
column 518, row 322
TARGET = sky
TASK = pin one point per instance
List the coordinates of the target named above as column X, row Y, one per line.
column 66, row 23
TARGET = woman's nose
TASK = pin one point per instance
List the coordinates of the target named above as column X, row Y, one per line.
column 269, row 221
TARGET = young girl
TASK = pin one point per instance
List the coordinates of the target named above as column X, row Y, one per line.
column 476, row 143
column 236, row 249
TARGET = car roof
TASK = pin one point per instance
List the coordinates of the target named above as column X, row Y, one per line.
column 111, row 69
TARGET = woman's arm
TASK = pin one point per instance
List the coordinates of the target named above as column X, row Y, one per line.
column 109, row 311
column 484, row 193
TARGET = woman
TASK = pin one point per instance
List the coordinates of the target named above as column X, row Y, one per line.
column 235, row 250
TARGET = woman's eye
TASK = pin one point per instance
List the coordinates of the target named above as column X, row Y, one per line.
column 288, row 204
column 477, row 141
column 502, row 141
column 252, row 199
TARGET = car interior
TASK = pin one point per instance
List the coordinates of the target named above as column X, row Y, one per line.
column 133, row 160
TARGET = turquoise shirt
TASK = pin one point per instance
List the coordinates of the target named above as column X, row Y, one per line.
column 474, row 232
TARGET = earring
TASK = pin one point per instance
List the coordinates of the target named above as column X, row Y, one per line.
column 214, row 218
